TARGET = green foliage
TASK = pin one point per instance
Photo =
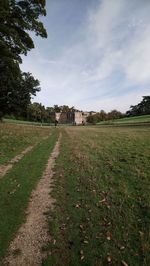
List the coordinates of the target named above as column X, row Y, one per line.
column 93, row 119
column 17, row 19
column 114, row 114
column 103, row 116
column 16, row 96
column 143, row 108
column 37, row 112
column 62, row 108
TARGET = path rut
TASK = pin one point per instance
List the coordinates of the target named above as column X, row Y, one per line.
column 5, row 168
column 25, row 249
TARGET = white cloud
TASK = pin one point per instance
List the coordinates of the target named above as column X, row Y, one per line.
column 122, row 41
column 103, row 22
column 137, row 60
column 110, row 55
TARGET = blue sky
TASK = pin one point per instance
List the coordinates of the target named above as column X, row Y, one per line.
column 96, row 56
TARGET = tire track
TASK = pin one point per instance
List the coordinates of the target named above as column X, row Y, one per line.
column 25, row 249
column 6, row 167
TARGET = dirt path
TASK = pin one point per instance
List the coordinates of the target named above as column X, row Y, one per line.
column 6, row 167
column 25, row 250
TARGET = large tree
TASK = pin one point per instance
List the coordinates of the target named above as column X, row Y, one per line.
column 143, row 108
column 17, row 20
column 16, row 96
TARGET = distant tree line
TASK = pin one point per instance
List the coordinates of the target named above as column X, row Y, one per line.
column 103, row 116
column 17, row 20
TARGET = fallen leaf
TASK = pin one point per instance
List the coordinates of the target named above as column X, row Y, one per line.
column 108, row 236
column 85, row 242
column 81, row 226
column 109, row 259
column 124, row 263
column 82, row 254
column 122, row 248
column 141, row 235
column 77, row 206
column 103, row 200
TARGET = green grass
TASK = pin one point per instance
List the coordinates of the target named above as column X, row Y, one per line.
column 16, row 188
column 129, row 120
column 15, row 138
column 24, row 122
column 102, row 191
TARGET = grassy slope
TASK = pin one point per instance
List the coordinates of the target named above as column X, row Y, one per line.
column 16, row 187
column 101, row 186
column 129, row 120
column 14, row 138
column 24, row 122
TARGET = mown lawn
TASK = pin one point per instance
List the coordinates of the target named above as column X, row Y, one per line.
column 14, row 138
column 102, row 192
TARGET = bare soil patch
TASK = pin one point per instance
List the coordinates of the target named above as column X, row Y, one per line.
column 25, row 249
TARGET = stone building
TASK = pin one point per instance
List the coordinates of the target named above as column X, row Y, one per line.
column 75, row 118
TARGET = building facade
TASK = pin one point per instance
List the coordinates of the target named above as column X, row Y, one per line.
column 74, row 118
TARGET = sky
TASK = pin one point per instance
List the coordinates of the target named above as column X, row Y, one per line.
column 96, row 56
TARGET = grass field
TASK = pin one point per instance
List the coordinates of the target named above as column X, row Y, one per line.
column 101, row 186
column 102, row 191
column 129, row 120
column 14, row 138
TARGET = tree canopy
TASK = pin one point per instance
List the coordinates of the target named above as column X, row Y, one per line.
column 143, row 108
column 37, row 112
column 16, row 96
column 103, row 116
column 17, row 20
